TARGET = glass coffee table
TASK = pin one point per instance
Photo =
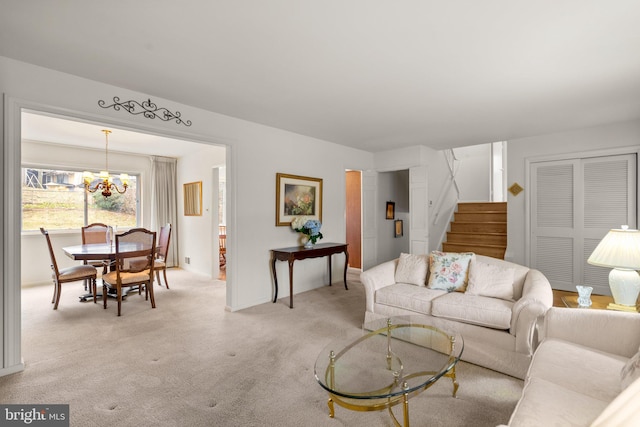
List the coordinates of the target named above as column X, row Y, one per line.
column 386, row 364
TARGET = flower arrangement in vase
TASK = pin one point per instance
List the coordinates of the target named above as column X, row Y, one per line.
column 308, row 227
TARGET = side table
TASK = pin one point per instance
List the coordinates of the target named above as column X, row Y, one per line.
column 300, row 252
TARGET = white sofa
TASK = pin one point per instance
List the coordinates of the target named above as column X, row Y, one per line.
column 575, row 378
column 498, row 334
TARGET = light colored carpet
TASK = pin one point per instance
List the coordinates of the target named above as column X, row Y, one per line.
column 190, row 363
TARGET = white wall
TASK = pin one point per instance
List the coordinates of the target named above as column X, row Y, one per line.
column 198, row 232
column 473, row 172
column 392, row 187
column 255, row 154
column 589, row 140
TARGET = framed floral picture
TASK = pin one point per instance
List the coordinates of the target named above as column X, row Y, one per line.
column 297, row 196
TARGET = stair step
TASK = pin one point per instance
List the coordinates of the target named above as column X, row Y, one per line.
column 480, row 238
column 480, row 216
column 487, row 250
column 479, row 227
column 482, row 206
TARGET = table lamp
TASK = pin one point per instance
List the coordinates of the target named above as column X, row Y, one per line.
column 620, row 250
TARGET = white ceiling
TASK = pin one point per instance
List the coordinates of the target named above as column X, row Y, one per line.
column 372, row 74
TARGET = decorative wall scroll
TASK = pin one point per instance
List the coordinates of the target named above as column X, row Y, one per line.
column 147, row 108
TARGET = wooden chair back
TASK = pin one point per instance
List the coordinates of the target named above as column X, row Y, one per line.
column 95, row 233
column 163, row 241
column 54, row 264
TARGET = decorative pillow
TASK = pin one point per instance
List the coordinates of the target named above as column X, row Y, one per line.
column 412, row 269
column 489, row 280
column 449, row 270
column 630, row 371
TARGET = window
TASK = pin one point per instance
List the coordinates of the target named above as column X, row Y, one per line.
column 56, row 199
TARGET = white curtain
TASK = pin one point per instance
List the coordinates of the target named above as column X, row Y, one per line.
column 164, row 201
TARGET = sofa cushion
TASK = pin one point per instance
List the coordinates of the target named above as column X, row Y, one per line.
column 489, row 280
column 476, row 310
column 449, row 271
column 544, row 403
column 581, row 369
column 631, row 370
column 412, row 269
column 624, row 411
column 409, row 297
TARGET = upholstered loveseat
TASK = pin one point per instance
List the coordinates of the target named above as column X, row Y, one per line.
column 493, row 303
column 586, row 371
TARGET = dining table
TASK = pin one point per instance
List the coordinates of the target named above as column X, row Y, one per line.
column 101, row 251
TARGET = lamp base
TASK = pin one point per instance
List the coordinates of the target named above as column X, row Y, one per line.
column 625, row 286
column 620, row 307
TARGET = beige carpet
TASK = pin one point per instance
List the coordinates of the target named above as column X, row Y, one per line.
column 190, row 363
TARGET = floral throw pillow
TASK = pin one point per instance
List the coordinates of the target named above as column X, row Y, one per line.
column 449, row 271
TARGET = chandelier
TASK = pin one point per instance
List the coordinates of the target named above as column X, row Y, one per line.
column 105, row 181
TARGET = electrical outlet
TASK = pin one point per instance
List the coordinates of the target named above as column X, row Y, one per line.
column 187, row 260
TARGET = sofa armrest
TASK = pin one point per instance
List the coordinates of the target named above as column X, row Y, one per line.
column 605, row 330
column 537, row 298
column 378, row 277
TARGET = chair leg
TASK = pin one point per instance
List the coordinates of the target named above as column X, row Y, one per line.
column 104, row 295
column 55, row 291
column 158, row 277
column 153, row 300
column 59, row 289
column 93, row 287
column 164, row 273
column 119, row 288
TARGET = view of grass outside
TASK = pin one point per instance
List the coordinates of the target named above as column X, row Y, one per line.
column 62, row 207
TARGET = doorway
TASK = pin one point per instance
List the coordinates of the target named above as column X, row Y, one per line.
column 354, row 217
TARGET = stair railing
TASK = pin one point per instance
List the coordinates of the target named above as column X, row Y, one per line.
column 452, row 164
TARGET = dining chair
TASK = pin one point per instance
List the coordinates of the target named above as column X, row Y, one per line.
column 160, row 263
column 97, row 233
column 222, row 240
column 134, row 263
column 69, row 274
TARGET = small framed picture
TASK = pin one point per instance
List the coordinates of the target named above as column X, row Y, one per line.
column 398, row 229
column 391, row 210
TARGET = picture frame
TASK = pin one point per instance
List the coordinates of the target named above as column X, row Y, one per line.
column 398, row 229
column 391, row 210
column 193, row 198
column 297, row 196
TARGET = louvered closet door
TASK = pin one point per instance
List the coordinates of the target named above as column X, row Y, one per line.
column 573, row 205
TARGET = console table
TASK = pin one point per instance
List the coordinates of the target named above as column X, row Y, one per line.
column 299, row 252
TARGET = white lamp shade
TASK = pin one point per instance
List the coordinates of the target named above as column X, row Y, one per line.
column 620, row 248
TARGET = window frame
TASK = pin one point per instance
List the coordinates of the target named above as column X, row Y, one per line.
column 136, row 175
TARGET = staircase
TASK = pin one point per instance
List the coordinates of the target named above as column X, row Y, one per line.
column 479, row 227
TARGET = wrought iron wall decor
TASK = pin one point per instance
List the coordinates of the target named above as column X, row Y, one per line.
column 147, row 108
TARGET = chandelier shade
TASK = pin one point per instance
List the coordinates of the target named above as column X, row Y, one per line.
column 105, row 182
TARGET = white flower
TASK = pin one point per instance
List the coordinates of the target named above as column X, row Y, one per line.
column 298, row 222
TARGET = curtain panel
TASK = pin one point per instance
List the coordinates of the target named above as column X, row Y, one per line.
column 164, row 201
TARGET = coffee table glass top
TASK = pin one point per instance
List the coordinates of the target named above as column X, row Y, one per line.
column 387, row 358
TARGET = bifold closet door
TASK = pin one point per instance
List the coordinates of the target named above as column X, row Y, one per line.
column 574, row 203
